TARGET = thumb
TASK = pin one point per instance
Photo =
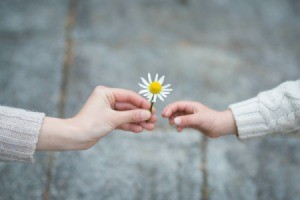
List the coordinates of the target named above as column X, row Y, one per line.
column 132, row 116
column 187, row 120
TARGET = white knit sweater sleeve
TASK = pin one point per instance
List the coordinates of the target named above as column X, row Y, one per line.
column 273, row 111
column 19, row 131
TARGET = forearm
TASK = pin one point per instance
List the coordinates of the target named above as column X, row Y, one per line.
column 59, row 135
column 226, row 124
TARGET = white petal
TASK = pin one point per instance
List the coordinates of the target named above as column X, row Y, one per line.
column 143, row 91
column 166, row 86
column 154, row 99
column 167, row 90
column 143, row 86
column 161, row 98
column 156, row 77
column 149, row 95
column 163, row 94
column 145, row 82
column 146, row 95
column 149, row 78
column 161, row 80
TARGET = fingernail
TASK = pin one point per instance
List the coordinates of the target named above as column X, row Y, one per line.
column 145, row 115
column 177, row 121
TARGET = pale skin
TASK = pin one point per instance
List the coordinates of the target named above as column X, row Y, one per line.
column 105, row 110
column 212, row 123
column 108, row 109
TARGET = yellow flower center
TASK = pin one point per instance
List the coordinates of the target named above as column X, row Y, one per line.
column 155, row 87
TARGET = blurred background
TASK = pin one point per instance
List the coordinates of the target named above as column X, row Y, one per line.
column 53, row 53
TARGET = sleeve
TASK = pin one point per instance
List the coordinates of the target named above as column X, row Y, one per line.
column 19, row 131
column 273, row 111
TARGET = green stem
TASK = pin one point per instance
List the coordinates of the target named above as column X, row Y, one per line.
column 151, row 107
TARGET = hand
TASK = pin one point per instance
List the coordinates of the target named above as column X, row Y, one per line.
column 105, row 110
column 187, row 114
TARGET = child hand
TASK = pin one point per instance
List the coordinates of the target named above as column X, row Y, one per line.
column 105, row 110
column 187, row 114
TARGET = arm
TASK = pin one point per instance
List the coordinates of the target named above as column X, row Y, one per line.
column 273, row 111
column 19, row 130
column 105, row 110
column 22, row 132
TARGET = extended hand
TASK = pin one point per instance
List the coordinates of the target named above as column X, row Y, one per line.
column 188, row 114
column 105, row 110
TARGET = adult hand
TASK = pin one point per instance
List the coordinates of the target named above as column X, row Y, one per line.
column 105, row 110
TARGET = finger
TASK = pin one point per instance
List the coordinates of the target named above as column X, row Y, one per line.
column 153, row 119
column 176, row 114
column 174, row 107
column 171, row 119
column 153, row 110
column 147, row 126
column 131, row 97
column 186, row 120
column 121, row 106
column 186, row 106
column 131, row 127
column 179, row 128
column 131, row 116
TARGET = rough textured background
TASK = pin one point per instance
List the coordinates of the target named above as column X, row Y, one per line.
column 53, row 53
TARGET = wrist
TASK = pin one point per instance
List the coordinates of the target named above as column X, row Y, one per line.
column 59, row 135
column 227, row 123
column 79, row 136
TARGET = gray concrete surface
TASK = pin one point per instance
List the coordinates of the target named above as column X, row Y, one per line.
column 31, row 53
column 157, row 165
column 257, row 169
column 217, row 52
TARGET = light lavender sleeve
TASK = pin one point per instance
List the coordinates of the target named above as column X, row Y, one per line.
column 19, row 131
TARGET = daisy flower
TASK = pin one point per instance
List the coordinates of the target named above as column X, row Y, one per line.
column 153, row 89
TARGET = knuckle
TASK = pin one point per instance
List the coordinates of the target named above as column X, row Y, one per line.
column 135, row 116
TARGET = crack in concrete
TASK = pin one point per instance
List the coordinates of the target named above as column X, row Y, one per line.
column 204, row 189
column 68, row 59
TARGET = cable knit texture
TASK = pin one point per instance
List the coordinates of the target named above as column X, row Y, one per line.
column 19, row 131
column 273, row 111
